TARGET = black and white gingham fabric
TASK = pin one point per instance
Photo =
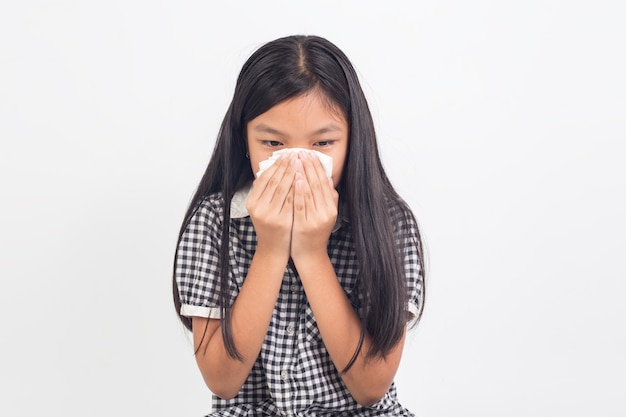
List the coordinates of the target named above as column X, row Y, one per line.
column 293, row 375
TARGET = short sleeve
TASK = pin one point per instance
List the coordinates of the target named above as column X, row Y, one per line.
column 410, row 249
column 197, row 262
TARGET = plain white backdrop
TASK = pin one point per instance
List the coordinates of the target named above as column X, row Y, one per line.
column 501, row 123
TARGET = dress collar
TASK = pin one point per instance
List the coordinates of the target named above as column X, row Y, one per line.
column 238, row 208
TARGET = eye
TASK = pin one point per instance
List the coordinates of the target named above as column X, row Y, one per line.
column 324, row 143
column 271, row 143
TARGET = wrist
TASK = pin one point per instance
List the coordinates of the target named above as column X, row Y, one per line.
column 272, row 253
column 313, row 258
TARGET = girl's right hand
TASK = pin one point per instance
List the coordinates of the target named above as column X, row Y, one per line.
column 270, row 205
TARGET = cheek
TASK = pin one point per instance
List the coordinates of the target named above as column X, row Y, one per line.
column 337, row 170
column 254, row 164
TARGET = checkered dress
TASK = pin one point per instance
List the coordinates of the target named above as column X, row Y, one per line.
column 293, row 374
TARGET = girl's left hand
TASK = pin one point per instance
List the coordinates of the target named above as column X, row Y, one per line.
column 314, row 209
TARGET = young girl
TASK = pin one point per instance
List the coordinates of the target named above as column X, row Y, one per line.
column 298, row 288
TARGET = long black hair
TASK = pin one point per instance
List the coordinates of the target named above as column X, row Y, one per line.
column 286, row 68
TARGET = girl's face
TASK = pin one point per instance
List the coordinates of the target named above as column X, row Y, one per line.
column 306, row 121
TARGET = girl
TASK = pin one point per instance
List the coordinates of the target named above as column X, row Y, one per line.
column 298, row 288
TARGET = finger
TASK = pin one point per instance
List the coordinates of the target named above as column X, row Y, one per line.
column 288, row 204
column 299, row 201
column 284, row 186
column 278, row 183
column 327, row 184
column 316, row 177
column 261, row 182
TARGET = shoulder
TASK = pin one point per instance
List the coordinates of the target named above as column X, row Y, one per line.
column 208, row 212
column 210, row 208
column 215, row 203
column 400, row 214
column 212, row 203
column 404, row 225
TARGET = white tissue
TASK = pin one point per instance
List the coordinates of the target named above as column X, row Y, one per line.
column 327, row 161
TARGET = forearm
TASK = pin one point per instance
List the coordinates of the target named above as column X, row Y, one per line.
column 340, row 327
column 250, row 317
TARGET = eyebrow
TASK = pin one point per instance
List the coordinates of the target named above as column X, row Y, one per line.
column 331, row 127
column 266, row 129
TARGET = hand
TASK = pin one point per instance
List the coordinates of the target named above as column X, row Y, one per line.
column 315, row 210
column 270, row 205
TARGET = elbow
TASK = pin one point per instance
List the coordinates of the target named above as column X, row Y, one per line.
column 368, row 401
column 224, row 393
column 223, row 390
column 367, row 388
column 224, row 383
column 370, row 396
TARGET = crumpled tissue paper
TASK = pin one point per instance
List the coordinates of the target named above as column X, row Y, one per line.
column 327, row 161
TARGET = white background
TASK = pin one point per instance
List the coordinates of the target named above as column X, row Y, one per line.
column 502, row 124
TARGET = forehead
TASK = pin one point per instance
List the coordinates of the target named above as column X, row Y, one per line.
column 308, row 108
